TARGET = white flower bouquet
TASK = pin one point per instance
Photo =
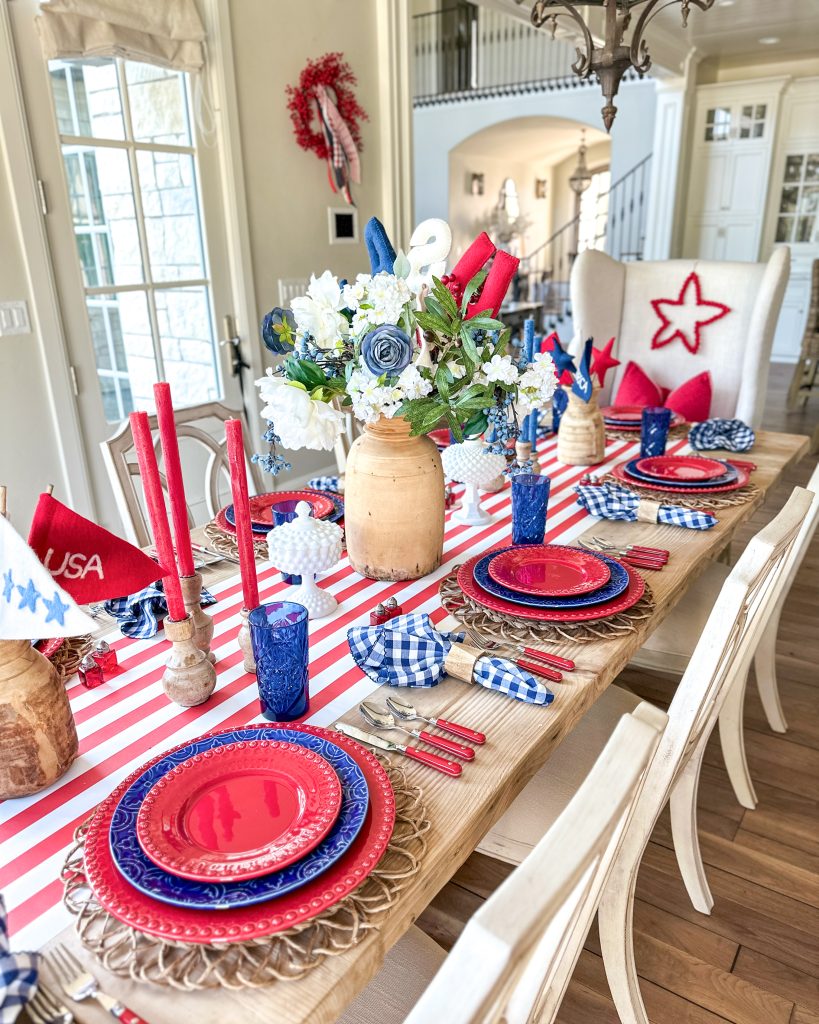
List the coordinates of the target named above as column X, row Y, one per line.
column 376, row 347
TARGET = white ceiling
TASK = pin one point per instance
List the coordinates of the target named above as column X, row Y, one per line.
column 734, row 28
column 530, row 139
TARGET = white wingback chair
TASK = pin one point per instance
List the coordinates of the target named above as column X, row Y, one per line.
column 613, row 299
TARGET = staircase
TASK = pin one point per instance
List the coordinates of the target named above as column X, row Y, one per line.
column 618, row 229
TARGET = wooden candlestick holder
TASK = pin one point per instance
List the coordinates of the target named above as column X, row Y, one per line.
column 190, row 677
column 202, row 622
column 523, row 453
column 38, row 738
column 581, row 440
column 245, row 646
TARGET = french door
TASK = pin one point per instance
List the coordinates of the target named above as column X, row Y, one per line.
column 135, row 222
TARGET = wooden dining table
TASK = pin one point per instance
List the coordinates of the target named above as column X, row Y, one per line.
column 520, row 739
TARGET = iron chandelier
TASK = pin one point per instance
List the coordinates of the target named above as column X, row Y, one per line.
column 610, row 61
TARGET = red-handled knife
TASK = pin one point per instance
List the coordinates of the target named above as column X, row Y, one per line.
column 539, row 669
column 440, row 764
column 549, row 659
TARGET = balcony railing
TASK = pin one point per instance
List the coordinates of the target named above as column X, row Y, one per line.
column 462, row 50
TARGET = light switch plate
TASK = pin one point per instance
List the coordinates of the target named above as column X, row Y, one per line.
column 14, row 318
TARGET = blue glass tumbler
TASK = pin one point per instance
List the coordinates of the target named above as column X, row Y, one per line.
column 654, row 431
column 278, row 635
column 530, row 499
column 285, row 512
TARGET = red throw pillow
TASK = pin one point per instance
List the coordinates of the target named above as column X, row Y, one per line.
column 691, row 399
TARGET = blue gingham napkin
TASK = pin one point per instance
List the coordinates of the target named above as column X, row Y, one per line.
column 324, row 483
column 138, row 614
column 610, row 502
column 731, row 435
column 18, row 975
column 408, row 651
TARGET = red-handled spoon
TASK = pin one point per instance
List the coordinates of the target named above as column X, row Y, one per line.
column 440, row 764
column 403, row 709
column 384, row 720
column 549, row 659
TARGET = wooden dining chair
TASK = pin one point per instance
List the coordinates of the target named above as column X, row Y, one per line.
column 518, row 951
column 670, row 646
column 119, row 456
column 719, row 662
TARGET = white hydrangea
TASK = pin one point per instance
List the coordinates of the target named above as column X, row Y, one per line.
column 412, row 384
column 500, row 370
column 318, row 312
column 537, row 384
column 372, row 400
column 458, row 370
column 376, row 299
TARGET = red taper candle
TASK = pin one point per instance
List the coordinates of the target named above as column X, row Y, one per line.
column 173, row 476
column 241, row 512
column 157, row 513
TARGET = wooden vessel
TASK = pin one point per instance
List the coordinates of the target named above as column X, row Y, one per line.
column 38, row 738
column 394, row 503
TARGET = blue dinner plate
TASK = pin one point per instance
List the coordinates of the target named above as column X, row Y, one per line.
column 144, row 875
column 730, row 476
column 618, row 581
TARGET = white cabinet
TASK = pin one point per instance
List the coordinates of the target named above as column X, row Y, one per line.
column 734, row 127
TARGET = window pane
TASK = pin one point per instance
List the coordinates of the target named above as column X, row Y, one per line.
column 99, row 186
column 159, row 107
column 761, row 110
column 168, row 185
column 804, row 229
column 124, row 351
column 783, row 229
column 790, row 197
column 188, row 351
column 812, row 168
column 759, row 130
column 793, row 168
column 810, row 199
column 86, row 98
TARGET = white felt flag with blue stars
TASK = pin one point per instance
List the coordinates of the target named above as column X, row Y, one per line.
column 32, row 605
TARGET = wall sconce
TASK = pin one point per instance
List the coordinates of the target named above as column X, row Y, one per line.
column 476, row 184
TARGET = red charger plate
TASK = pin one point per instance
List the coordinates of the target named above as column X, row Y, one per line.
column 681, row 467
column 239, row 811
column 548, row 570
column 261, row 511
column 620, row 474
column 48, row 648
column 207, row 927
column 630, row 596
column 630, row 417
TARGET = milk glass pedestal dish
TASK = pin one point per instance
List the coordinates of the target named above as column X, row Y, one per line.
column 304, row 547
column 471, row 464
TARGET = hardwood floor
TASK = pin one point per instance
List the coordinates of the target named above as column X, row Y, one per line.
column 755, row 959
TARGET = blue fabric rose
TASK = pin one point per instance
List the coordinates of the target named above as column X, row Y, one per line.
column 386, row 349
column 279, row 330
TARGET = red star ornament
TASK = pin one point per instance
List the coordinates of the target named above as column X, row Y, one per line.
column 603, row 361
column 686, row 316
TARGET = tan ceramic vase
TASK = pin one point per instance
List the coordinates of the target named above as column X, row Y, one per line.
column 38, row 738
column 581, row 439
column 394, row 503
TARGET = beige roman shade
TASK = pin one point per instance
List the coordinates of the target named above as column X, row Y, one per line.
column 164, row 32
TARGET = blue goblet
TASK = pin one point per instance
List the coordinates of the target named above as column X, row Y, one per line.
column 654, row 431
column 530, row 500
column 278, row 635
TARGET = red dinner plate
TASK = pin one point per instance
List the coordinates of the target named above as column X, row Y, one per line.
column 623, row 413
column 440, row 437
column 681, row 467
column 261, row 511
column 630, row 596
column 551, row 570
column 239, row 811
column 240, row 924
column 744, row 474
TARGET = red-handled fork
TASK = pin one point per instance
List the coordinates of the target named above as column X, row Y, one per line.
column 78, row 985
column 384, row 720
column 426, row 757
column 539, row 670
column 403, row 709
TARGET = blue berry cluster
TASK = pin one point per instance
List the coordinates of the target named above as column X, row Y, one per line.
column 501, row 428
column 273, row 462
column 516, row 468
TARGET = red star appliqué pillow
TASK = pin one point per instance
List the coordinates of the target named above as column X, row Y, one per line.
column 683, row 318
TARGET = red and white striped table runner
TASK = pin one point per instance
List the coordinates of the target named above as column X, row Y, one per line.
column 123, row 724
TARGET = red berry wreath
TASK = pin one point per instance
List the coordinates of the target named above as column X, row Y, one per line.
column 335, row 73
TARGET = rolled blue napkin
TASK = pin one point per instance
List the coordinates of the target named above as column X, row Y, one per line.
column 138, row 614
column 18, row 975
column 409, row 651
column 324, row 483
column 611, row 502
column 731, row 435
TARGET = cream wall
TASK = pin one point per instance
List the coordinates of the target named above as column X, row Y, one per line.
column 28, row 456
column 288, row 193
column 563, row 199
